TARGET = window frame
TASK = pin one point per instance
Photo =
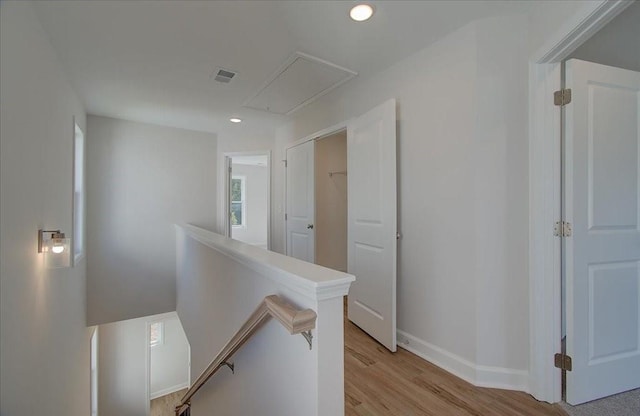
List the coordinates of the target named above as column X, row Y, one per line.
column 160, row 339
column 243, row 200
column 79, row 191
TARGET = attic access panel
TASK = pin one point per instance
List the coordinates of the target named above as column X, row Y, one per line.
column 301, row 80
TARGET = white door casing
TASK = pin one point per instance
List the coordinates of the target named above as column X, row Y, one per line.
column 300, row 202
column 227, row 196
column 372, row 222
column 602, row 204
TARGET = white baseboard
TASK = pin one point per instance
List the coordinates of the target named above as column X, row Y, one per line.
column 168, row 390
column 478, row 375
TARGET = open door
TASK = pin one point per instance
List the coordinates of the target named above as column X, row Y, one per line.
column 372, row 222
column 300, row 202
column 602, row 206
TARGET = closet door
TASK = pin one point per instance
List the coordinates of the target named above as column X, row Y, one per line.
column 300, row 205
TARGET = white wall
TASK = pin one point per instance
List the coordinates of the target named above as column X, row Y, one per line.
column 44, row 343
column 331, row 201
column 125, row 362
column 463, row 210
column 122, row 368
column 501, row 202
column 141, row 180
column 170, row 360
column 254, row 231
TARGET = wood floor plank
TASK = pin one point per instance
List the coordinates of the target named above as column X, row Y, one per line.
column 378, row 382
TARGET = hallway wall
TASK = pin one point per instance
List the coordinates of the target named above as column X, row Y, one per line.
column 141, row 180
column 44, row 342
column 463, row 195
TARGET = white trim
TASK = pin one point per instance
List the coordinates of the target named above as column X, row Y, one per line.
column 579, row 28
column 77, row 257
column 320, row 134
column 226, row 218
column 307, row 279
column 169, row 390
column 160, row 340
column 147, row 359
column 478, row 375
column 544, row 248
column 544, row 193
column 93, row 384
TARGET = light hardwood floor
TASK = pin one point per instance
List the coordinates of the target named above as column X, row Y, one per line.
column 166, row 405
column 378, row 382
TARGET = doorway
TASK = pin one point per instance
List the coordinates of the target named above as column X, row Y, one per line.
column 371, row 231
column 247, row 201
column 548, row 166
column 330, row 160
column 601, row 254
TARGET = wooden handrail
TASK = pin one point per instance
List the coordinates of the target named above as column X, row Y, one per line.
column 294, row 320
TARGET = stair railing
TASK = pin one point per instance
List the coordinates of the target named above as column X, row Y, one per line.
column 294, row 320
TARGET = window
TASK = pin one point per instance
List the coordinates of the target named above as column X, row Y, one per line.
column 78, row 194
column 238, row 202
column 156, row 334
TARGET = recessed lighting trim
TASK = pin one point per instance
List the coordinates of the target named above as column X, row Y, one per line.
column 361, row 12
column 235, row 120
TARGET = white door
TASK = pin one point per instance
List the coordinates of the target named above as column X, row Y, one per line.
column 300, row 202
column 602, row 263
column 372, row 222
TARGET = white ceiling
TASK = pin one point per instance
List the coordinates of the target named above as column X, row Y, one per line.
column 151, row 61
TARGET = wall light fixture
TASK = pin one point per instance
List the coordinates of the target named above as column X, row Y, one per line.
column 56, row 248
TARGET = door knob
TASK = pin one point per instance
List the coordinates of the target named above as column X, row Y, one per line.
column 310, row 226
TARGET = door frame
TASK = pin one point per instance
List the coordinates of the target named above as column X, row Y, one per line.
column 315, row 136
column 545, row 193
column 228, row 158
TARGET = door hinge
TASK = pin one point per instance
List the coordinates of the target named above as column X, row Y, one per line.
column 562, row 361
column 285, row 162
column 562, row 97
column 230, row 169
column 562, row 229
column 285, row 217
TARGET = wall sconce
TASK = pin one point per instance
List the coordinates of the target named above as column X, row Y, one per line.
column 56, row 248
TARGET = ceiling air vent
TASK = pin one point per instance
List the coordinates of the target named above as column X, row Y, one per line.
column 224, row 75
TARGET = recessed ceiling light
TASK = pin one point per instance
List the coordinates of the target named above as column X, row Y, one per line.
column 235, row 120
column 361, row 12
